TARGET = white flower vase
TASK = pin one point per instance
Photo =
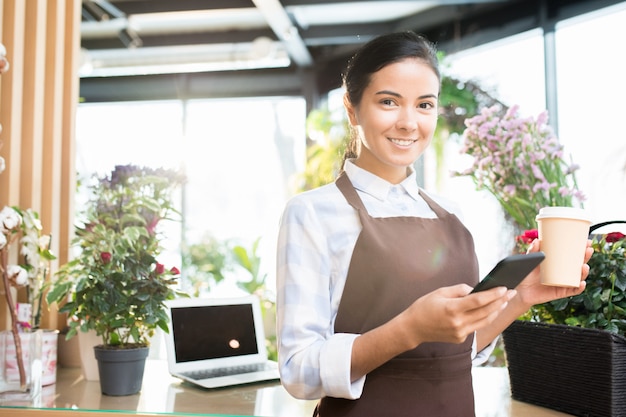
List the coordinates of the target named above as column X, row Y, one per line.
column 12, row 391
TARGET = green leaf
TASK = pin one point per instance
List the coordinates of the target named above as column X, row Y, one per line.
column 59, row 292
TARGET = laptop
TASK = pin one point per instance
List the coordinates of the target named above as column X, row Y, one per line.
column 217, row 342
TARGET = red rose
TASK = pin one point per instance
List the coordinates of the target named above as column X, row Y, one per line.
column 528, row 236
column 159, row 268
column 175, row 271
column 105, row 257
column 614, row 237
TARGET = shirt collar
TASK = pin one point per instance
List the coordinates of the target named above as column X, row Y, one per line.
column 377, row 187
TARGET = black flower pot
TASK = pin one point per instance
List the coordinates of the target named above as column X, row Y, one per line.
column 121, row 370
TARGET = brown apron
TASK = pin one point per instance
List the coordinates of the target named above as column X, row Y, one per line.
column 395, row 261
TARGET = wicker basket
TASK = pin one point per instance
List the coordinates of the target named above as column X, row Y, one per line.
column 569, row 369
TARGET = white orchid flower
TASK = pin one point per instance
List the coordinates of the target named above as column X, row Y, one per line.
column 44, row 242
column 3, row 241
column 2, row 163
column 31, row 220
column 30, row 246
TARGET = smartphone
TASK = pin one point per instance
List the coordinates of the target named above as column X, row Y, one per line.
column 510, row 271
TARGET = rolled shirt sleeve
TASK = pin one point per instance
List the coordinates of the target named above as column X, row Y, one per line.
column 313, row 360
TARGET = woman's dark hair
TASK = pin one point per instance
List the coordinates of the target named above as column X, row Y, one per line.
column 375, row 55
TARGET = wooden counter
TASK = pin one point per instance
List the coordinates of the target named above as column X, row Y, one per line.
column 73, row 396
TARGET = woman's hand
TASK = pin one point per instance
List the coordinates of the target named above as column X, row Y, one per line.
column 449, row 314
column 531, row 291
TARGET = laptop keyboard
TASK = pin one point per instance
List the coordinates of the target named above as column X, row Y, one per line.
column 232, row 370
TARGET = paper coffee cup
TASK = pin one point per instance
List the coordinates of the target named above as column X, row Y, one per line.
column 563, row 234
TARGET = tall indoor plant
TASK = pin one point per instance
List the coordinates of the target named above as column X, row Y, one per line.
column 115, row 285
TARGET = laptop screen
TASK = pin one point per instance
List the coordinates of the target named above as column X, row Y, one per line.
column 212, row 332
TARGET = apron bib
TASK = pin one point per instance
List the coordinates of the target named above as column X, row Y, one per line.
column 395, row 261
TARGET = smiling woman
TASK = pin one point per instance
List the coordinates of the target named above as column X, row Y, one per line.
column 396, row 124
column 374, row 274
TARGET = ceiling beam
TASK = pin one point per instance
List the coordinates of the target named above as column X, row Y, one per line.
column 347, row 34
column 229, row 84
column 164, row 6
column 433, row 2
column 285, row 30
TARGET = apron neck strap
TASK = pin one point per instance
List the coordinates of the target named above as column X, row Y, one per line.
column 347, row 189
column 349, row 192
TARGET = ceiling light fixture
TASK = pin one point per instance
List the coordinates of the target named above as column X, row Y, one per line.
column 261, row 53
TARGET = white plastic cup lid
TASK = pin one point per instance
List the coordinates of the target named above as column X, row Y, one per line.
column 564, row 213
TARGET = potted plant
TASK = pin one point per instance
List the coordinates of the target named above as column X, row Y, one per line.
column 570, row 354
column 116, row 286
column 24, row 228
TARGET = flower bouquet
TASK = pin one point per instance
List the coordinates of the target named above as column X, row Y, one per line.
column 520, row 162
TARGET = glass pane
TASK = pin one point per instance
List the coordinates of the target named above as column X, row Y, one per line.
column 591, row 67
column 140, row 133
column 511, row 70
column 241, row 157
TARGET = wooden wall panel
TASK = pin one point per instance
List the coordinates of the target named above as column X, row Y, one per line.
column 33, row 69
column 38, row 99
column 13, row 20
column 53, row 131
column 71, row 92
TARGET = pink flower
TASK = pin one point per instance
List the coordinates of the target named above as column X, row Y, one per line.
column 152, row 225
column 520, row 161
column 160, row 268
column 175, row 271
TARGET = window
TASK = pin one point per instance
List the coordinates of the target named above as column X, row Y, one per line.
column 239, row 157
column 590, row 66
column 591, row 63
